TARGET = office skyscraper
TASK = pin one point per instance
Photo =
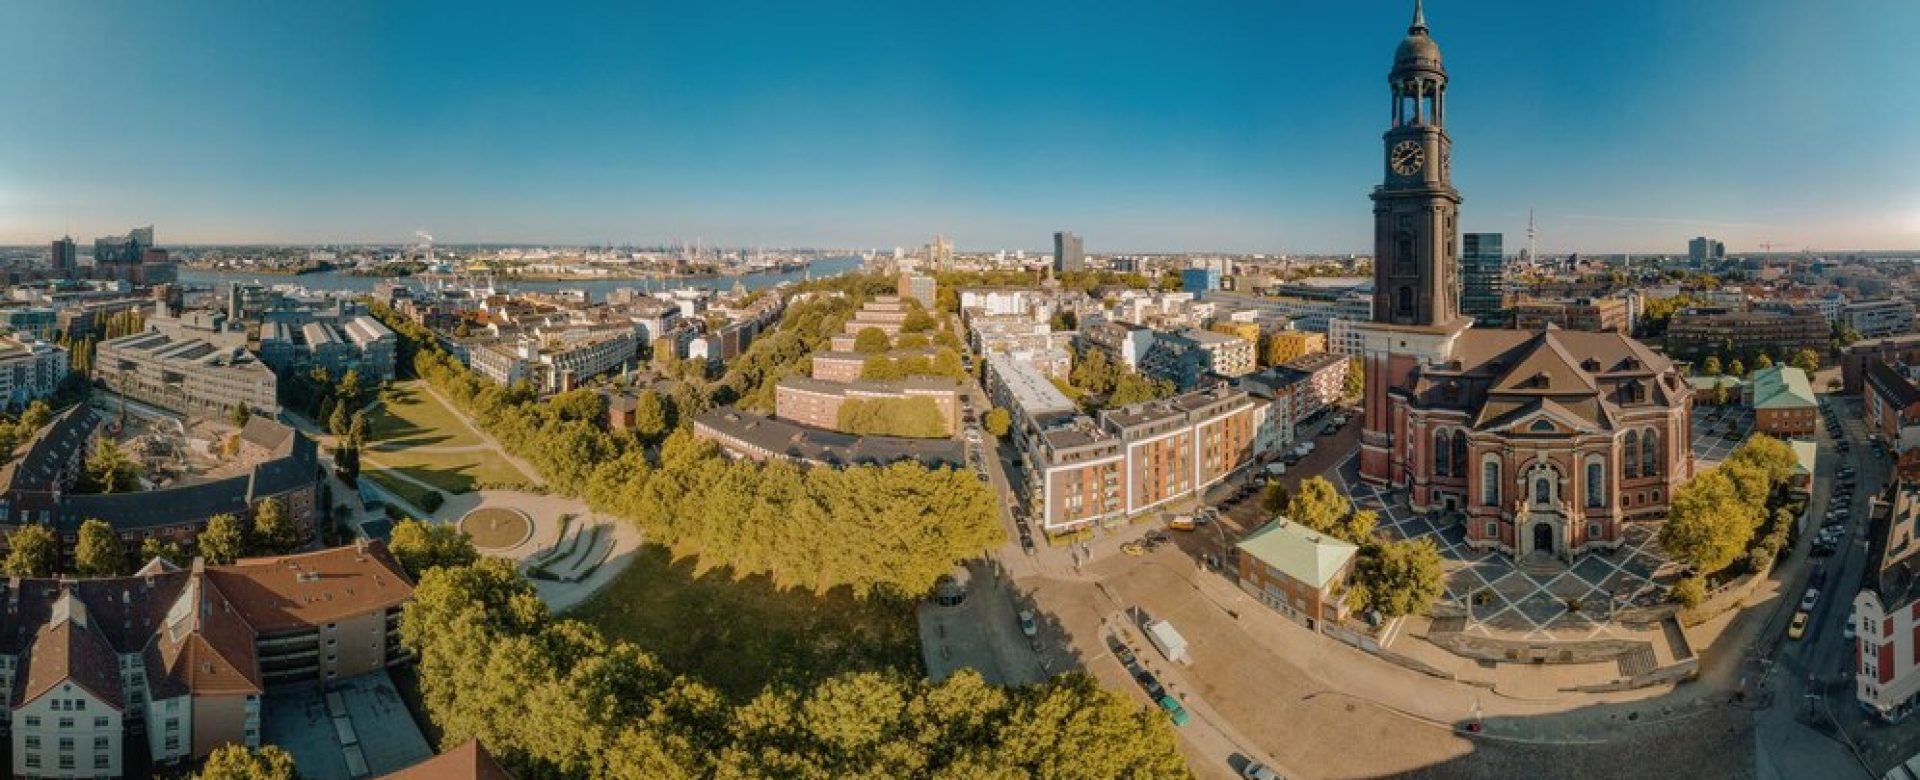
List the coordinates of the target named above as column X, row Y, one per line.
column 1067, row 253
column 66, row 254
column 1702, row 249
column 1483, row 264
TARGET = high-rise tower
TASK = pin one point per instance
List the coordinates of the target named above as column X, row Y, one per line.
column 1416, row 210
column 1416, row 258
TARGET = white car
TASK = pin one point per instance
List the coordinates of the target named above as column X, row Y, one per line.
column 1027, row 626
column 1808, row 601
column 1259, row 771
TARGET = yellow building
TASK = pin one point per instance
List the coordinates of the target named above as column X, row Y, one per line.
column 1246, row 331
column 1291, row 344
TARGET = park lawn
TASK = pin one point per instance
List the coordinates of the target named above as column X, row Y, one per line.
column 740, row 635
column 451, row 472
column 407, row 491
column 408, row 416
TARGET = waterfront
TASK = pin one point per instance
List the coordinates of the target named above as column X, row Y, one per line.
column 335, row 281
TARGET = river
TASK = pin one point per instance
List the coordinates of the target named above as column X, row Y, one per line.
column 334, row 281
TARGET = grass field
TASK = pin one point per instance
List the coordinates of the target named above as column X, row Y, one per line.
column 410, row 417
column 407, row 491
column 740, row 635
column 451, row 472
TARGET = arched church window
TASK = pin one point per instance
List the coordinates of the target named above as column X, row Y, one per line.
column 1490, row 483
column 1596, row 484
column 1442, row 453
column 1406, row 301
column 1630, row 453
column 1460, row 453
column 1649, row 456
column 1542, row 489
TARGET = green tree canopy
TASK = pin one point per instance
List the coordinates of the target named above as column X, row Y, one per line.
column 1737, row 368
column 1355, row 383
column 1400, row 578
column 239, row 415
column 1710, row 366
column 239, row 762
column 1806, row 360
column 997, row 422
column 421, row 546
column 108, row 470
column 224, row 540
column 871, row 341
column 913, row 417
column 649, row 415
column 171, row 552
column 32, row 551
column 1133, row 388
column 98, row 552
column 1763, row 362
column 1708, row 526
column 1318, row 505
column 274, row 530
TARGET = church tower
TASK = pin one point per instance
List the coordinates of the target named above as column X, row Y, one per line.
column 1416, row 256
column 1416, row 277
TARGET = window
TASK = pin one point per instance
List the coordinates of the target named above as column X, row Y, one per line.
column 33, row 742
column 173, row 724
column 1406, row 301
column 173, row 743
column 1593, row 531
column 1542, row 489
column 66, row 760
column 66, row 723
column 1460, row 453
column 100, row 743
column 1490, row 483
column 33, row 721
column 1596, row 484
column 1442, row 452
column 66, row 744
column 1629, row 451
column 1649, row 464
column 33, row 760
column 1493, row 529
column 100, row 761
column 79, row 704
column 100, row 722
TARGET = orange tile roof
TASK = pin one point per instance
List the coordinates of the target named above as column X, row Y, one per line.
column 469, row 761
column 293, row 592
column 67, row 651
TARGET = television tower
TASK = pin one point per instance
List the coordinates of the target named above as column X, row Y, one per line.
column 1533, row 254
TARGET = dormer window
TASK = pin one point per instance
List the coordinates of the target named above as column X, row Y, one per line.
column 1541, row 426
column 1590, row 365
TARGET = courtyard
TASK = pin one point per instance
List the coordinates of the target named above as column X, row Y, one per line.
column 1506, row 599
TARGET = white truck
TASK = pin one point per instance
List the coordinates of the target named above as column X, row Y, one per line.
column 1169, row 641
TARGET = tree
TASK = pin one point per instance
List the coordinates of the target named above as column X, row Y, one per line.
column 171, row 552
column 880, row 368
column 649, row 415
column 349, row 389
column 1844, row 334
column 239, row 762
column 1763, row 362
column 871, row 341
column 1094, row 372
column 1771, row 455
column 1707, row 525
column 1063, row 320
column 1318, row 505
column 1133, row 388
column 337, row 424
column 1274, row 499
column 421, row 546
column 1736, row 368
column 916, row 321
column 997, row 422
column 224, row 540
column 32, row 551
column 98, row 552
column 1400, row 578
column 1689, row 591
column 357, row 430
column 1721, row 394
column 274, row 532
column 1356, row 382
column 1806, row 360
column 912, row 341
column 239, row 415
column 108, row 470
column 1710, row 366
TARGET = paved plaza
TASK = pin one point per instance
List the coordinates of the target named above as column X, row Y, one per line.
column 1712, row 442
column 1502, row 599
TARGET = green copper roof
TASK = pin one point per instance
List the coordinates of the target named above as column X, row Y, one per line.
column 1298, row 552
column 1782, row 387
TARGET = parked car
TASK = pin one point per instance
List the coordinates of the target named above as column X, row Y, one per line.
column 1027, row 626
column 1811, row 598
column 1257, row 771
column 1151, row 683
column 1848, row 633
column 1026, row 543
column 1799, row 627
column 1174, row 710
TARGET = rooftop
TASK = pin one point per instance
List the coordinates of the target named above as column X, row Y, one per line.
column 1298, row 552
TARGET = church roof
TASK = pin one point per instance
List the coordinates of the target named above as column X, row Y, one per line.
column 1583, row 379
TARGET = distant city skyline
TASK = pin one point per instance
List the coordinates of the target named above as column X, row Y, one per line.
column 1240, row 127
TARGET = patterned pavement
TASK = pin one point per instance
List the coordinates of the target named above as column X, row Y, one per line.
column 1711, row 442
column 1507, row 602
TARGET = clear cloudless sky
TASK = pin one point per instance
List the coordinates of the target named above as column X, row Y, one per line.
column 1142, row 124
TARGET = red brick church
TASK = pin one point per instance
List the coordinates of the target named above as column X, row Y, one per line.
column 1545, row 440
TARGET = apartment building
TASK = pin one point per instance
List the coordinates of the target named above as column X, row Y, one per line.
column 1590, row 314
column 1891, row 408
column 180, row 659
column 1124, row 343
column 1702, row 331
column 1308, row 307
column 1862, row 354
column 1286, row 345
column 1132, row 459
column 1879, row 318
column 1886, row 611
column 193, row 375
column 809, row 401
column 30, row 369
column 919, row 287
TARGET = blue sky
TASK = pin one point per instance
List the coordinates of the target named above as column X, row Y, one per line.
column 1142, row 125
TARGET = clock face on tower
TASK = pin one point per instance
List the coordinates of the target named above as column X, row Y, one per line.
column 1407, row 158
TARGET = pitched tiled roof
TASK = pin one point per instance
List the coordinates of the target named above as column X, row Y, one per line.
column 1502, row 375
column 297, row 591
column 67, row 650
column 206, row 647
column 469, row 761
column 1782, row 387
column 1890, row 384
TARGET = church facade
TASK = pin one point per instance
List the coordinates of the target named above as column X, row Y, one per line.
column 1544, row 441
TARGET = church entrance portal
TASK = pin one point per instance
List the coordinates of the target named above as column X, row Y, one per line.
column 1543, row 538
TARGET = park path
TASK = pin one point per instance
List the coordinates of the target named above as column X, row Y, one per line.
column 430, row 450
